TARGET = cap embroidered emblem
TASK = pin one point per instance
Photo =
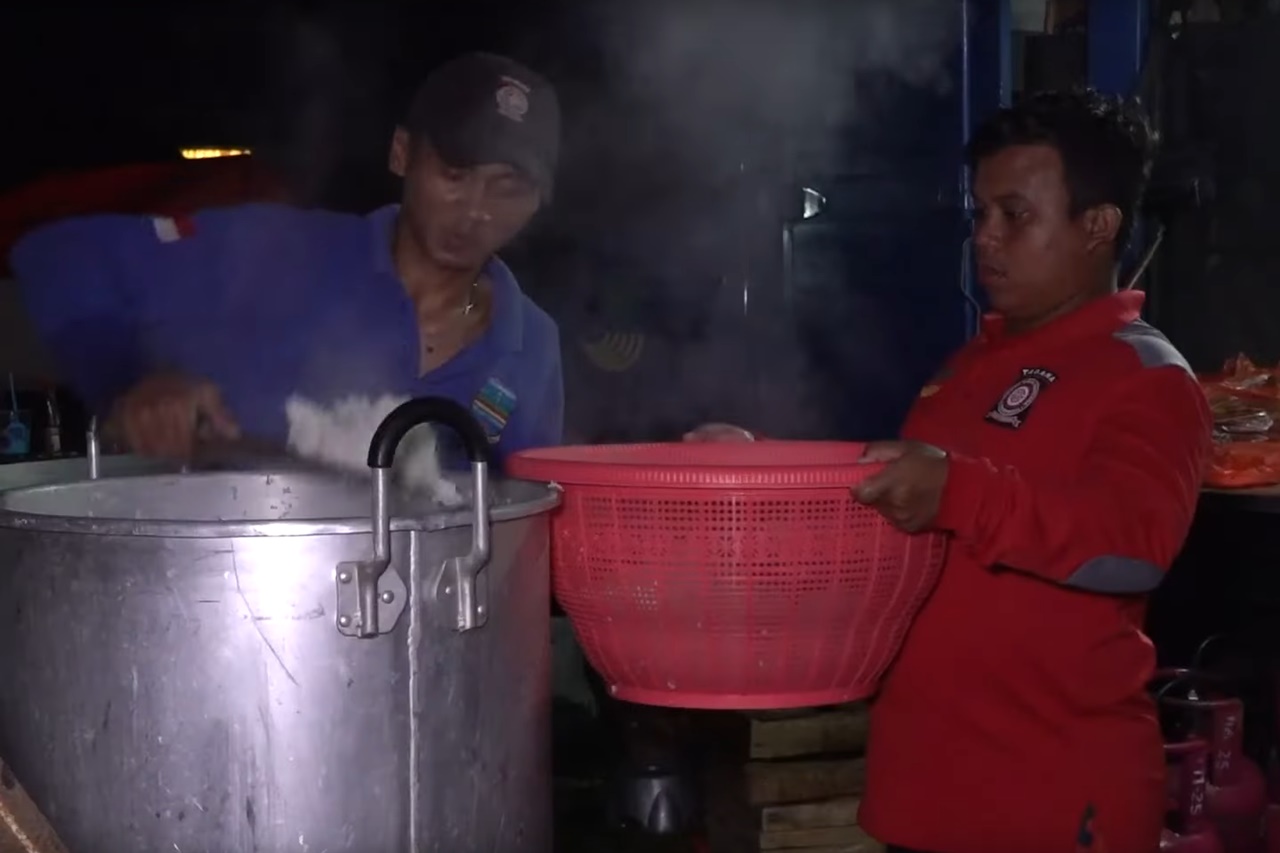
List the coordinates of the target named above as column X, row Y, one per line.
column 512, row 102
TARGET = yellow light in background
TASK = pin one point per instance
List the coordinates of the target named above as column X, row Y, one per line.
column 210, row 153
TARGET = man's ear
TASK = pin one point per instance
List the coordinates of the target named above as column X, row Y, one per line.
column 1101, row 225
column 398, row 158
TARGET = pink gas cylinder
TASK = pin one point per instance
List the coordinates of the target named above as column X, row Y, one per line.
column 1236, row 793
column 1273, row 803
column 1273, row 771
column 1187, row 825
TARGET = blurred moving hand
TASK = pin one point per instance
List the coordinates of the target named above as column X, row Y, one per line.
column 164, row 415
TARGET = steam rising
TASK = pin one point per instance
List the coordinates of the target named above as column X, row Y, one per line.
column 746, row 97
column 778, row 62
column 323, row 97
column 777, row 58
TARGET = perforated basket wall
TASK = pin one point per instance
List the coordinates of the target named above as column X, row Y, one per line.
column 730, row 575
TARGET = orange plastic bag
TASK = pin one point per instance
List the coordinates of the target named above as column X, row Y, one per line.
column 1245, row 400
column 1244, row 464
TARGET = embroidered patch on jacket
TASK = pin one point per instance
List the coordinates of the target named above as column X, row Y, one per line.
column 493, row 407
column 1015, row 404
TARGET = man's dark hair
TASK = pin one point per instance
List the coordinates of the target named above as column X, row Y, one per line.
column 1106, row 144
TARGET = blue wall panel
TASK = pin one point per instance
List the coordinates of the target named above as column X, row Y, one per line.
column 881, row 285
column 1118, row 32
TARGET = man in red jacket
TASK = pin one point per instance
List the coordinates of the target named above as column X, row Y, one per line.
column 1063, row 449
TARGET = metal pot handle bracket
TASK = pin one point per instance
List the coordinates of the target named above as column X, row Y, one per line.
column 370, row 598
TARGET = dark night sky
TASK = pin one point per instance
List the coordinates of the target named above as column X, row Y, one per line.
column 94, row 83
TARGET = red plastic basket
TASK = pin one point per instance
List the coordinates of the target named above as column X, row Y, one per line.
column 730, row 575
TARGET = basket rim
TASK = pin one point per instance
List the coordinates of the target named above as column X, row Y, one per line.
column 698, row 465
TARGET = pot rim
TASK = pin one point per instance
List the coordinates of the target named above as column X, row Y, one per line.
column 32, row 522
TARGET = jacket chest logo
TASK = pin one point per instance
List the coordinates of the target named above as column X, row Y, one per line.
column 1011, row 410
column 492, row 407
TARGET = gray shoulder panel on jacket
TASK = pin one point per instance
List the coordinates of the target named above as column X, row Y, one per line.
column 1116, row 576
column 1151, row 346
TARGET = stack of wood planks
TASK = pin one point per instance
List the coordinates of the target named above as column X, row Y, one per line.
column 789, row 781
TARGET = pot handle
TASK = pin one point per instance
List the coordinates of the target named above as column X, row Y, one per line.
column 458, row 576
column 426, row 410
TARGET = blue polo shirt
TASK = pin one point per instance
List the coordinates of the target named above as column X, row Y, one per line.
column 266, row 301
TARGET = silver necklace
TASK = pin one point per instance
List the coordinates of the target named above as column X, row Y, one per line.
column 466, row 309
column 471, row 298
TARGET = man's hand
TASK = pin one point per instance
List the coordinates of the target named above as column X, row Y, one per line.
column 719, row 432
column 165, row 414
column 909, row 491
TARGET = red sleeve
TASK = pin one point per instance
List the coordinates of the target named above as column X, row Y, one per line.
column 1117, row 525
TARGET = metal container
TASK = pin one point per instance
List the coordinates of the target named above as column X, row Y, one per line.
column 23, row 474
column 659, row 800
column 247, row 661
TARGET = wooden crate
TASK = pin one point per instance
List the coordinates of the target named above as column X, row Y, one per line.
column 789, row 781
column 826, row 825
column 790, row 734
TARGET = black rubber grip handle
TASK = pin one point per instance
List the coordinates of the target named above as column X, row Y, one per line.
column 426, row 410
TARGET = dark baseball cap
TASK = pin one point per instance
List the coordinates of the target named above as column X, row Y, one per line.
column 482, row 108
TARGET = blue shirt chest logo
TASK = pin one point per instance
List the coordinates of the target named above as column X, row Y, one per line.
column 492, row 407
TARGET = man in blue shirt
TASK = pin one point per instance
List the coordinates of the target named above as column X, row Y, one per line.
column 162, row 324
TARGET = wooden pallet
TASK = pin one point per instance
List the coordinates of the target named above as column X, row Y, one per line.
column 790, row 781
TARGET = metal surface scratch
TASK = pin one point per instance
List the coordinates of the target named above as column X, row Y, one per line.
column 182, row 608
column 253, row 620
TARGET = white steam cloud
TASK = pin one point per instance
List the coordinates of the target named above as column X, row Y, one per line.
column 732, row 87
column 782, row 62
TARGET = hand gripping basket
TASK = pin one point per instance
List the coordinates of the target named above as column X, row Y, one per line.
column 730, row 575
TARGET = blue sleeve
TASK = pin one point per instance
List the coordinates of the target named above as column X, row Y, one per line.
column 79, row 285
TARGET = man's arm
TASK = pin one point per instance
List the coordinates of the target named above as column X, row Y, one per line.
column 76, row 282
column 1116, row 527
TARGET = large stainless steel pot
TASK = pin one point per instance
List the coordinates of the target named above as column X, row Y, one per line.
column 221, row 662
column 22, row 474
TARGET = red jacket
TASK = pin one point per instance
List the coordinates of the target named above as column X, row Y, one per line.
column 1018, row 700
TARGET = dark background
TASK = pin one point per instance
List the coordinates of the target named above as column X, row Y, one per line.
column 314, row 86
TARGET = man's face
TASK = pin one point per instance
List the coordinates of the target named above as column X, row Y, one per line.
column 1035, row 260
column 460, row 216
